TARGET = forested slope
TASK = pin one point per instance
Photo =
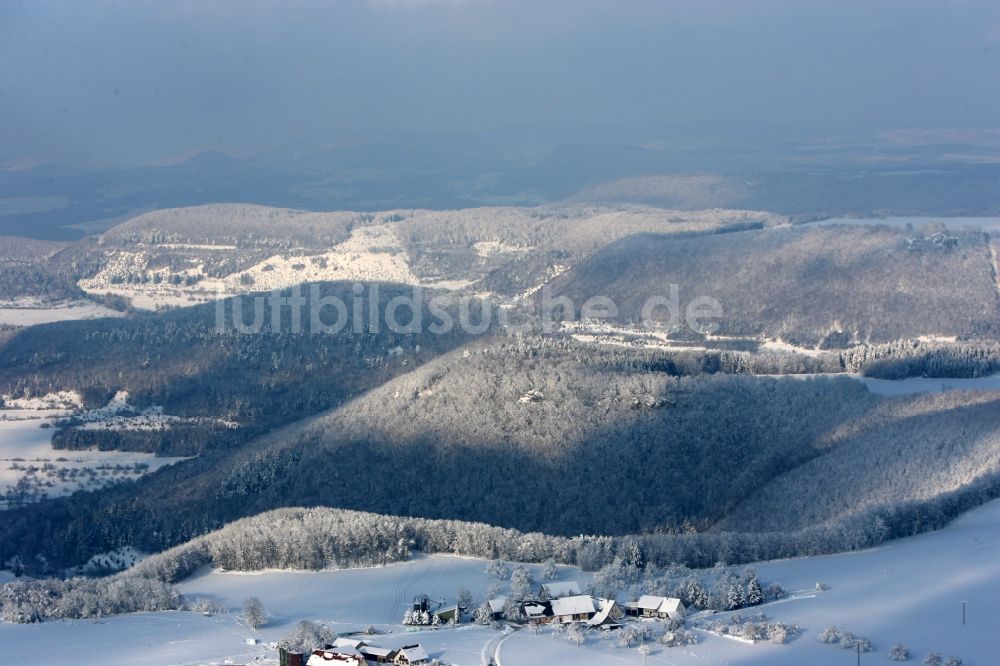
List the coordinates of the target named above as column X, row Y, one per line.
column 181, row 360
column 27, row 270
column 614, row 449
column 541, row 435
column 902, row 451
column 806, row 284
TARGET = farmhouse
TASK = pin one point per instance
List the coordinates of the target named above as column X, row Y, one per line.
column 578, row 608
column 410, row 655
column 663, row 608
column 496, row 607
column 558, row 590
column 672, row 608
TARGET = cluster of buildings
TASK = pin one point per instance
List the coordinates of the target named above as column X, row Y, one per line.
column 564, row 603
column 354, row 652
column 557, row 603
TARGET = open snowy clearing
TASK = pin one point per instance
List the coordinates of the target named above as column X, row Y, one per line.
column 118, row 414
column 929, row 385
column 29, row 314
column 639, row 337
column 912, row 385
column 372, row 253
column 902, row 222
column 907, row 592
column 26, row 453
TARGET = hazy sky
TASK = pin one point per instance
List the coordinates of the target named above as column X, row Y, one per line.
column 102, row 82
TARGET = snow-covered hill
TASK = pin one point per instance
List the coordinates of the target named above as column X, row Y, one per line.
column 908, row 592
column 181, row 257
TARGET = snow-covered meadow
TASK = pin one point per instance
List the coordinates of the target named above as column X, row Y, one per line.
column 29, row 312
column 27, row 456
column 907, row 592
column 915, row 222
column 372, row 253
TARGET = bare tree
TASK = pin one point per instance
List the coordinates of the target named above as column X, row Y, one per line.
column 253, row 612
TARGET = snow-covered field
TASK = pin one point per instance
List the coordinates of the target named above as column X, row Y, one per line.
column 29, row 313
column 118, row 414
column 26, row 450
column 929, row 385
column 912, row 385
column 372, row 253
column 638, row 337
column 907, row 592
column 956, row 223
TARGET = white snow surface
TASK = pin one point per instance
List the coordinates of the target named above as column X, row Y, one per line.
column 908, row 592
column 30, row 314
column 57, row 400
column 26, row 450
column 118, row 414
column 903, row 222
column 929, row 385
column 640, row 337
column 372, row 253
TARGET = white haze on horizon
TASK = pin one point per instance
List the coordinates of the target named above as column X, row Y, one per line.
column 105, row 82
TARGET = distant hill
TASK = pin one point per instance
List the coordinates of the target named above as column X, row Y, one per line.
column 28, row 271
column 806, row 284
column 183, row 256
column 236, row 224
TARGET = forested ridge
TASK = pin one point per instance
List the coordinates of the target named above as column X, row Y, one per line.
column 27, row 270
column 540, row 435
column 806, row 285
column 181, row 361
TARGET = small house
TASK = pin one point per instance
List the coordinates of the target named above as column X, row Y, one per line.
column 497, row 606
column 411, row 655
column 652, row 606
column 349, row 643
column 559, row 590
column 579, row 608
column 448, row 614
column 672, row 608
